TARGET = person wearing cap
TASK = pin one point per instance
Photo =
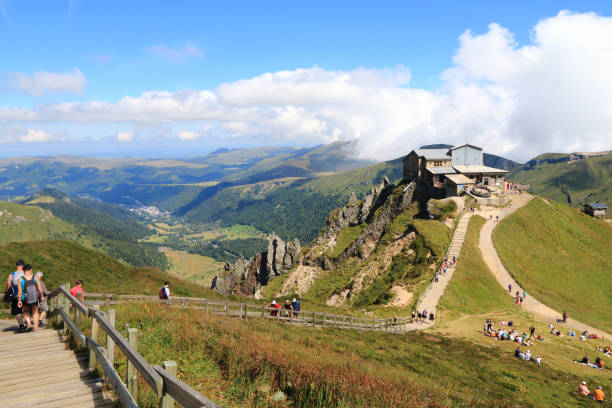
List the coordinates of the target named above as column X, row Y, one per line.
column 274, row 308
column 296, row 306
column 583, row 389
column 12, row 282
column 598, row 394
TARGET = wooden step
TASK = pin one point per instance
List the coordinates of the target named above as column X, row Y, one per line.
column 51, row 358
column 63, row 373
column 52, row 392
column 94, row 400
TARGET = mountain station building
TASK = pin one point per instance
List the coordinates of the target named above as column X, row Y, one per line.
column 597, row 210
column 450, row 171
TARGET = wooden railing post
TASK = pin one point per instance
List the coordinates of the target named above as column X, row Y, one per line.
column 226, row 310
column 65, row 305
column 323, row 321
column 94, row 335
column 110, row 344
column 314, row 321
column 206, row 306
column 245, row 312
column 171, row 369
column 132, row 382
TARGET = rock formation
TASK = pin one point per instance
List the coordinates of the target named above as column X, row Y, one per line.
column 246, row 277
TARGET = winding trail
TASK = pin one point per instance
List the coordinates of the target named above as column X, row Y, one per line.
column 491, row 258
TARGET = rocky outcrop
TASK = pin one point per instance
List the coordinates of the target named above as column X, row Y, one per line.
column 390, row 203
column 246, row 277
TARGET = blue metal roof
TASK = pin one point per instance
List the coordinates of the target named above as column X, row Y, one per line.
column 598, row 206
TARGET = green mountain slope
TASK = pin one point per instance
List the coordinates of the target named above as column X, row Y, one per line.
column 576, row 183
column 562, row 256
column 65, row 261
column 28, row 223
column 105, row 227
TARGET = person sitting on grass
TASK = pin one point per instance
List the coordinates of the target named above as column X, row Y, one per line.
column 585, row 360
column 598, row 395
column 517, row 353
column 583, row 389
column 599, row 362
column 538, row 360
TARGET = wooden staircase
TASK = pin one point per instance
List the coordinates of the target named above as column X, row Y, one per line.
column 37, row 369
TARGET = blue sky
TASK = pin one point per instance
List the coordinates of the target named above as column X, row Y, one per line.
column 109, row 50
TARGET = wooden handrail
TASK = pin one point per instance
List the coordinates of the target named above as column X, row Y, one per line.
column 188, row 397
column 148, row 373
column 158, row 379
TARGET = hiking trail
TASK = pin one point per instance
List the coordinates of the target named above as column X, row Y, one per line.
column 38, row 369
column 492, row 260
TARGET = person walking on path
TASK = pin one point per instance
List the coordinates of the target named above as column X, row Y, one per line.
column 29, row 291
column 77, row 290
column 509, row 288
column 564, row 316
column 12, row 283
column 164, row 293
column 43, row 307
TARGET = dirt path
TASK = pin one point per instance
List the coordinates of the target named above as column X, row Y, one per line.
column 489, row 254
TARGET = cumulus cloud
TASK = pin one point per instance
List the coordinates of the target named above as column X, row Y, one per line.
column 517, row 100
column 18, row 134
column 42, row 82
column 125, row 136
column 175, row 54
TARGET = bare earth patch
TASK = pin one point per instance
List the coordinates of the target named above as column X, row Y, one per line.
column 401, row 297
column 300, row 280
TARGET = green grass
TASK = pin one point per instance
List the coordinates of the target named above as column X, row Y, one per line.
column 65, row 261
column 561, row 256
column 345, row 237
column 584, row 181
column 473, row 289
column 239, row 364
column 436, row 235
column 20, row 223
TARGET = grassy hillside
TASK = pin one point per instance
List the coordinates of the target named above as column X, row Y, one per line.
column 473, row 289
column 65, row 261
column 25, row 223
column 561, row 256
column 241, row 364
column 578, row 182
column 106, row 227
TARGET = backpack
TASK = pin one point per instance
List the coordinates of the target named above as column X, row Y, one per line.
column 162, row 293
column 296, row 305
column 30, row 291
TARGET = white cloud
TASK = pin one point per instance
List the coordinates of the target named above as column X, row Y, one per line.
column 175, row 55
column 42, row 83
column 18, row 134
column 188, row 135
column 517, row 100
column 125, row 136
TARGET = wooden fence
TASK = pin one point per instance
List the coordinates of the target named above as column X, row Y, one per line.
column 248, row 311
column 162, row 381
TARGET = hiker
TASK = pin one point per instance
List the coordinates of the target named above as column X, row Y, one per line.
column 510, row 288
column 538, row 360
column 517, row 352
column 28, row 292
column 295, row 304
column 564, row 317
column 288, row 308
column 12, row 283
column 524, row 296
column 489, row 324
column 497, row 218
column 275, row 306
column 43, row 307
column 77, row 290
column 583, row 389
column 531, row 332
column 598, row 394
column 164, row 293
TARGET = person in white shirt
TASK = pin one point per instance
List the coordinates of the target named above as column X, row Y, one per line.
column 538, row 360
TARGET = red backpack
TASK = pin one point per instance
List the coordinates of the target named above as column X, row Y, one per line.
column 162, row 293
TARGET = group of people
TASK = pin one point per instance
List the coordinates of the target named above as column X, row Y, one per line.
column 27, row 293
column 598, row 395
column 509, row 334
column 421, row 317
column 290, row 308
column 526, row 356
column 518, row 297
column 599, row 363
column 446, row 263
